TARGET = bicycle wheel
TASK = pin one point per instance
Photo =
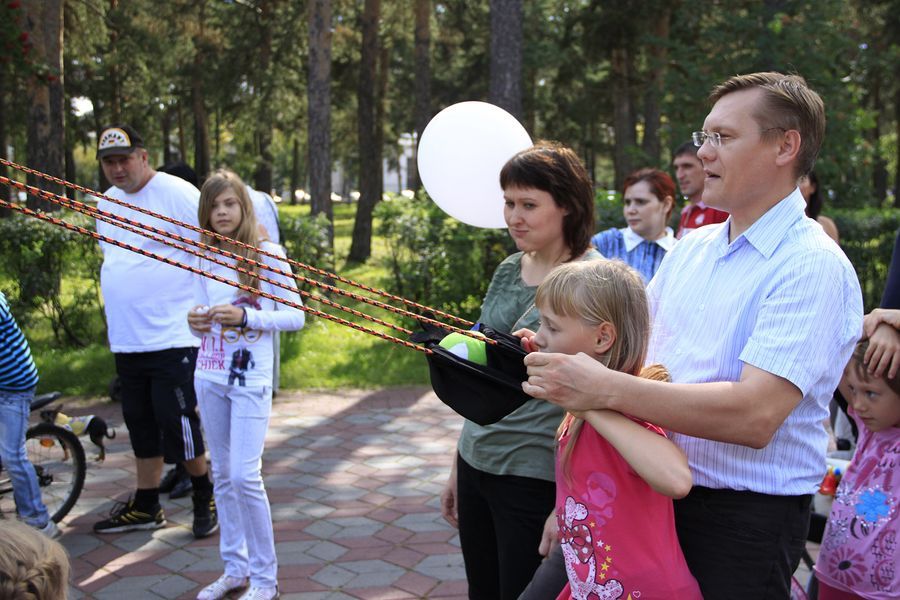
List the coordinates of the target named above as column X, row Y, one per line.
column 58, row 459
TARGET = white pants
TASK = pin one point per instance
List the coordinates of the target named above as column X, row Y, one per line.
column 235, row 420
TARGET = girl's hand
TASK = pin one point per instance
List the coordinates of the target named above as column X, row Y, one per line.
column 878, row 316
column 526, row 338
column 227, row 314
column 550, row 536
column 198, row 318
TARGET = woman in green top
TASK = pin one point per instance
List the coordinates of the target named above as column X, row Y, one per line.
column 501, row 488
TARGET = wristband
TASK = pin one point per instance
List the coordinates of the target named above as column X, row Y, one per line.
column 244, row 318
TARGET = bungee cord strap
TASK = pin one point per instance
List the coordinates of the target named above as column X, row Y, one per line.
column 464, row 323
column 197, row 271
column 117, row 220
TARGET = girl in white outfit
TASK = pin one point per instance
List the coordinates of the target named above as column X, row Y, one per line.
column 234, row 385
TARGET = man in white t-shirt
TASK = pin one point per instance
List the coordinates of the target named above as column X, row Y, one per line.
column 146, row 303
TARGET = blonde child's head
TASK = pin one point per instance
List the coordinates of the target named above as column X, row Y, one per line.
column 220, row 186
column 598, row 307
column 876, row 400
column 607, row 297
column 32, row 566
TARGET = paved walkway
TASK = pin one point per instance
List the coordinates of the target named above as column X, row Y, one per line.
column 354, row 480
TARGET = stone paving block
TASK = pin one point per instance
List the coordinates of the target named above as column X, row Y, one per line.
column 188, row 560
column 79, row 544
column 444, row 567
column 326, row 550
column 415, row 583
column 371, row 573
column 422, row 522
column 173, row 586
column 379, row 593
column 333, row 576
column 127, row 588
column 318, row 596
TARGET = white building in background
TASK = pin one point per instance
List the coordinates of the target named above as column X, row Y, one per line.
column 395, row 173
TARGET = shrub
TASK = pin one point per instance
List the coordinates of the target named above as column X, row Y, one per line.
column 436, row 260
column 52, row 273
column 307, row 240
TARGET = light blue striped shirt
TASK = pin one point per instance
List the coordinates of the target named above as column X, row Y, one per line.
column 642, row 255
column 782, row 297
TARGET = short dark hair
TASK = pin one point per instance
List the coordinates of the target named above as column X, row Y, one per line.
column 557, row 170
column 816, row 200
column 688, row 147
column 787, row 103
column 857, row 363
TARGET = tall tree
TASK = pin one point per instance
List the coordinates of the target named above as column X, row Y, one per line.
column 319, row 95
column 198, row 97
column 422, row 82
column 46, row 117
column 506, row 56
column 657, row 56
column 370, row 141
column 262, row 176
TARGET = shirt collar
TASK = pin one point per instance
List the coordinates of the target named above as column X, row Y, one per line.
column 768, row 231
column 632, row 240
column 690, row 207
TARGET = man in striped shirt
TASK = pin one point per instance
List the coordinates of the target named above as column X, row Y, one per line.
column 755, row 319
column 18, row 379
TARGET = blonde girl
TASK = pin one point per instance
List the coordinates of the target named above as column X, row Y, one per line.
column 616, row 475
column 32, row 566
column 234, row 385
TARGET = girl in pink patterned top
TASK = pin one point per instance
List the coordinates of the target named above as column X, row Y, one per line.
column 615, row 477
column 858, row 558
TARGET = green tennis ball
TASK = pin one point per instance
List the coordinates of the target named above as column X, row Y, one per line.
column 466, row 347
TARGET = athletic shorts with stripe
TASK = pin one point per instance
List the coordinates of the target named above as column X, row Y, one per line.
column 159, row 404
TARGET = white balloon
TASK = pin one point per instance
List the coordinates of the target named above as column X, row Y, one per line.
column 461, row 153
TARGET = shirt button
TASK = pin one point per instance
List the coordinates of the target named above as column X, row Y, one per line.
column 701, row 308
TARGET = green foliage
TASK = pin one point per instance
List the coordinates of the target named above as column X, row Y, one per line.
column 305, row 239
column 867, row 237
column 51, row 272
column 436, row 260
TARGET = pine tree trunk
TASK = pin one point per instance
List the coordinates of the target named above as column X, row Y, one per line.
column 623, row 124
column 198, row 101
column 319, row 100
column 506, row 56
column 370, row 142
column 262, row 177
column 658, row 53
column 45, row 145
column 421, row 85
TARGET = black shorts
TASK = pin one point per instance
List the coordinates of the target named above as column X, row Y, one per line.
column 159, row 404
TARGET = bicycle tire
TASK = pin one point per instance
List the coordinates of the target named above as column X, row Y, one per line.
column 58, row 458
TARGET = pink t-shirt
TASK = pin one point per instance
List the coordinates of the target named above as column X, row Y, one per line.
column 860, row 545
column 617, row 534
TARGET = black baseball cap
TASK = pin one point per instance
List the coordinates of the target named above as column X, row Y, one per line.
column 119, row 139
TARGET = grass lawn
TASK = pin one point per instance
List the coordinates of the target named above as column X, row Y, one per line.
column 324, row 355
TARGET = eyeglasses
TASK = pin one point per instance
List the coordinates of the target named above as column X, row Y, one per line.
column 233, row 334
column 715, row 138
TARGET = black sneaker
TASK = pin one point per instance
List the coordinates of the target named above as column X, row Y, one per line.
column 125, row 517
column 172, row 477
column 206, row 519
column 182, row 487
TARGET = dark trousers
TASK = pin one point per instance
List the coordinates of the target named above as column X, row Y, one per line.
column 550, row 578
column 501, row 518
column 741, row 544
